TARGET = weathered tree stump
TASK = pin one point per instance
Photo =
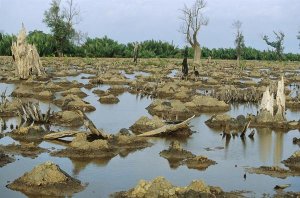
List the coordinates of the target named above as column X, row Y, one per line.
column 280, row 101
column 25, row 57
column 267, row 111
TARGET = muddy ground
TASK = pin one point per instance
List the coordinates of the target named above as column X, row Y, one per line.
column 128, row 100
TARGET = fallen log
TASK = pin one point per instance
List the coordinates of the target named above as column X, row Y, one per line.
column 62, row 134
column 90, row 125
column 167, row 128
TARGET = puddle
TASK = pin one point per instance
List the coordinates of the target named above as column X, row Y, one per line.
column 173, row 73
column 113, row 117
column 134, row 75
column 82, row 78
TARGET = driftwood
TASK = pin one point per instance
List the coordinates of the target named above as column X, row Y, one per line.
column 62, row 134
column 31, row 112
column 90, row 125
column 87, row 122
column 167, row 128
column 251, row 135
column 245, row 129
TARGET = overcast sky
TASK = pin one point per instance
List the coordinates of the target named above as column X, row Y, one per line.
column 138, row 20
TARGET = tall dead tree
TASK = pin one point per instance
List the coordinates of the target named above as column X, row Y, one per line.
column 25, row 57
column 193, row 20
column 136, row 52
column 239, row 41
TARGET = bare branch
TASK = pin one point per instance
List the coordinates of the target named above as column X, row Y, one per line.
column 193, row 20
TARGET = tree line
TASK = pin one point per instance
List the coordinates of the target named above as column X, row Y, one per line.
column 106, row 47
column 64, row 40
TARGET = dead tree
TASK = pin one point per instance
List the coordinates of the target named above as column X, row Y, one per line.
column 136, row 52
column 25, row 57
column 3, row 102
column 185, row 67
column 193, row 20
column 278, row 44
column 239, row 41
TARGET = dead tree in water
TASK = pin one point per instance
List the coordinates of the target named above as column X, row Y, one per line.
column 31, row 113
column 136, row 52
column 4, row 101
column 185, row 66
column 193, row 20
column 25, row 57
column 239, row 41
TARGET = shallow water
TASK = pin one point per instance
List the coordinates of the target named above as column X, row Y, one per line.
column 134, row 75
column 121, row 173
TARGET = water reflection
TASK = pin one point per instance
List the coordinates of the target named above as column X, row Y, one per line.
column 80, row 164
column 278, row 147
column 270, row 145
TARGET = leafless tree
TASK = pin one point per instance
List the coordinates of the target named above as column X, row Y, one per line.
column 239, row 40
column 72, row 13
column 193, row 20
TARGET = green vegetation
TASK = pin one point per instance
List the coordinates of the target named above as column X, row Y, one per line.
column 106, row 47
column 61, row 21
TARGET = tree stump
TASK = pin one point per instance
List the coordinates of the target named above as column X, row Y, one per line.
column 25, row 57
column 280, row 101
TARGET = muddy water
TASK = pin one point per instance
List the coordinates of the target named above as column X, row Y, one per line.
column 121, row 173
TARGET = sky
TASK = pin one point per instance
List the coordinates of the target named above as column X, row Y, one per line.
column 139, row 20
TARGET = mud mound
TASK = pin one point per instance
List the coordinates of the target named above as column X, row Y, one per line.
column 177, row 156
column 145, row 124
column 208, row 104
column 293, row 162
column 199, row 162
column 170, row 109
column 68, row 118
column 110, row 99
column 74, row 91
column 160, row 187
column 74, row 102
column 26, row 150
column 273, row 171
column 47, row 179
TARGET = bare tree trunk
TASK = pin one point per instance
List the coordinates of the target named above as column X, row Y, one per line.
column 238, row 62
column 197, row 54
column 280, row 101
column 25, row 56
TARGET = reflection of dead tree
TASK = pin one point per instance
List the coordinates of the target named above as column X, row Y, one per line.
column 31, row 113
